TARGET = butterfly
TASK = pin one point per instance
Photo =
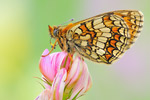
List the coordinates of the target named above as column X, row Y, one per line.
column 103, row 38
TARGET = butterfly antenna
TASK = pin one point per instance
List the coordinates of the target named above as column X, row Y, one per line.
column 70, row 20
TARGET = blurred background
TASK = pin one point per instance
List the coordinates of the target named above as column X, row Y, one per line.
column 24, row 36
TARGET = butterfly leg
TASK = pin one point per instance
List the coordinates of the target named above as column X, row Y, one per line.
column 71, row 57
column 53, row 46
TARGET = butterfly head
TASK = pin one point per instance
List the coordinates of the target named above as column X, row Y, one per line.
column 53, row 31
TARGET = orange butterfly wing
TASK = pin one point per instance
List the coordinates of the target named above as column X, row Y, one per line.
column 105, row 37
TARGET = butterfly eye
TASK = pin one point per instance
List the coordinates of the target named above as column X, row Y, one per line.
column 55, row 32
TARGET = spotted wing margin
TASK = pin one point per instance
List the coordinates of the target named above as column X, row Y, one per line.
column 105, row 37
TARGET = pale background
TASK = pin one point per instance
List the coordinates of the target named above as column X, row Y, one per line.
column 24, row 36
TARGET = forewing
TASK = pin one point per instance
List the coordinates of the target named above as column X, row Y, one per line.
column 105, row 37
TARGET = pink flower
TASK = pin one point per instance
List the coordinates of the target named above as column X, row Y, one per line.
column 67, row 80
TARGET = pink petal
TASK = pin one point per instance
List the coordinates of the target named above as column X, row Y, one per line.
column 89, row 85
column 46, row 67
column 68, row 61
column 45, row 95
column 50, row 64
column 58, row 85
column 84, row 83
column 74, row 73
column 57, row 59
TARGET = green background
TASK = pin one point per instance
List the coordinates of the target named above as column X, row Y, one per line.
column 24, row 36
